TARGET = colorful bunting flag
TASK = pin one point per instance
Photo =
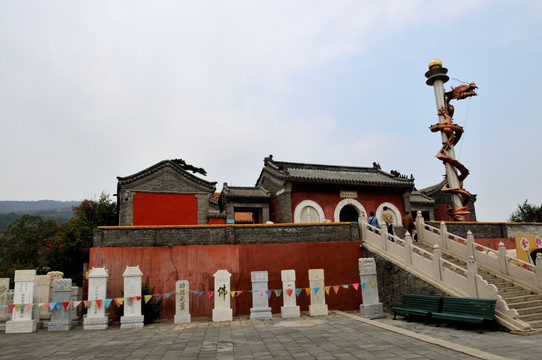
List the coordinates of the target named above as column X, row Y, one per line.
column 372, row 283
column 11, row 307
column 168, row 295
column 326, row 289
column 289, row 292
column 336, row 288
column 345, row 286
column 107, row 303
column 297, row 292
column 77, row 303
column 98, row 303
column 86, row 303
column 147, row 298
column 278, row 292
column 17, row 306
column 157, row 297
column 269, row 292
column 232, row 293
column 363, row 286
column 308, row 291
column 239, row 292
column 28, row 307
column 138, row 297
column 66, row 305
column 210, row 294
column 316, row 290
column 356, row 286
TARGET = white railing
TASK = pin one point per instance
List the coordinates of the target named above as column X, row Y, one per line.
column 497, row 261
column 457, row 280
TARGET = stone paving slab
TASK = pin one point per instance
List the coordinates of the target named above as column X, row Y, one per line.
column 337, row 336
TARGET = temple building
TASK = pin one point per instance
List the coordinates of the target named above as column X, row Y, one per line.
column 285, row 192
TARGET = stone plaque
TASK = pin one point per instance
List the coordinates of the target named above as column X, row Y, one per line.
column 182, row 302
column 132, row 298
column 60, row 316
column 290, row 308
column 21, row 318
column 260, row 302
column 318, row 306
column 371, row 307
column 222, row 310
column 96, row 318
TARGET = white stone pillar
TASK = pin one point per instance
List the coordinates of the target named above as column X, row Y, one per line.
column 420, row 225
column 96, row 318
column 503, row 262
column 132, row 298
column 318, row 306
column 290, row 308
column 222, row 310
column 43, row 290
column 60, row 318
column 4, row 287
column 472, row 270
column 443, row 235
column 21, row 320
column 371, row 308
column 260, row 303
column 437, row 255
column 182, row 302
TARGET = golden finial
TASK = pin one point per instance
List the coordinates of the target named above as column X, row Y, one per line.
column 435, row 64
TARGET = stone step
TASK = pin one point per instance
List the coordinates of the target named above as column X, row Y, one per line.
column 537, row 324
column 530, row 317
column 525, row 304
column 529, row 310
column 516, row 299
column 511, row 292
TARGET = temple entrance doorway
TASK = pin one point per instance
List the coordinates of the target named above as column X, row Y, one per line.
column 349, row 214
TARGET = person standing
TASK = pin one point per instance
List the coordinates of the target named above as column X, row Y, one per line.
column 372, row 219
column 387, row 217
column 408, row 223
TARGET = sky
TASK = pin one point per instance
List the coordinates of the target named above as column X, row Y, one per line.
column 92, row 90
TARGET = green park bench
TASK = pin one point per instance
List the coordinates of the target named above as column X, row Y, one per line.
column 471, row 310
column 417, row 305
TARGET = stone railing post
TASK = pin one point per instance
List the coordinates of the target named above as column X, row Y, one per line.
column 437, row 255
column 420, row 222
column 470, row 244
column 443, row 235
column 362, row 221
column 503, row 263
column 539, row 269
column 384, row 234
column 408, row 248
column 472, row 270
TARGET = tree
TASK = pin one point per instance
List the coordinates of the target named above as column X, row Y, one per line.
column 70, row 248
column 23, row 244
column 527, row 213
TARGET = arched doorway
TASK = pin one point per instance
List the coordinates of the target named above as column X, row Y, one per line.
column 348, row 214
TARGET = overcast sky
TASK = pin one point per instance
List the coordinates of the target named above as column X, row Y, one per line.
column 98, row 89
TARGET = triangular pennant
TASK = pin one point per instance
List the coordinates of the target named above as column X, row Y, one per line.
column 86, row 303
column 52, row 305
column 356, row 286
column 66, row 305
column 147, row 298
column 316, row 290
column 108, row 303
column 98, row 303
column 58, row 305
column 363, row 286
column 138, row 297
column 297, row 292
column 40, row 305
column 345, row 286
column 326, row 288
column 199, row 293
column 269, row 292
column 11, row 307
column 157, row 297
column 336, row 288
column 239, row 292
column 261, row 292
column 372, row 283
column 120, row 300
column 308, row 291
column 3, row 305
column 77, row 303
column 28, row 307
column 232, row 293
column 289, row 292
column 278, row 292
column 210, row 294
column 168, row 295
column 46, row 305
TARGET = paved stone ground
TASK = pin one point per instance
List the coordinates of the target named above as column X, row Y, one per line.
column 337, row 336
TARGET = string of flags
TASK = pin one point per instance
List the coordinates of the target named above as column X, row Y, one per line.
column 146, row 298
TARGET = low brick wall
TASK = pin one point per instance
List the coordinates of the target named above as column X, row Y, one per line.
column 114, row 236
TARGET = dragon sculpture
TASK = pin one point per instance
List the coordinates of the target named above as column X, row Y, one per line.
column 453, row 133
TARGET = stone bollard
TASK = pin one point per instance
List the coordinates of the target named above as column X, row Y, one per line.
column 60, row 315
column 290, row 308
column 222, row 310
column 96, row 318
column 318, row 306
column 182, row 303
column 371, row 308
column 23, row 300
column 132, row 298
column 260, row 302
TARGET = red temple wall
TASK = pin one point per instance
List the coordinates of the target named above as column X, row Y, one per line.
column 165, row 209
column 198, row 263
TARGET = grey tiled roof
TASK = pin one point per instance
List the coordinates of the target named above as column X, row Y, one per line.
column 246, row 192
column 368, row 177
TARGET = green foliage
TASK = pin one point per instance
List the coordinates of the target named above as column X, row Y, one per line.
column 23, row 244
column 150, row 310
column 70, row 248
column 189, row 167
column 527, row 213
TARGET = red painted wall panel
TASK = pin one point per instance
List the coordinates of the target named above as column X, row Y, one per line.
column 198, row 263
column 165, row 209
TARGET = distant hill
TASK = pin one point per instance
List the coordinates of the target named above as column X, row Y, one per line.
column 60, row 211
